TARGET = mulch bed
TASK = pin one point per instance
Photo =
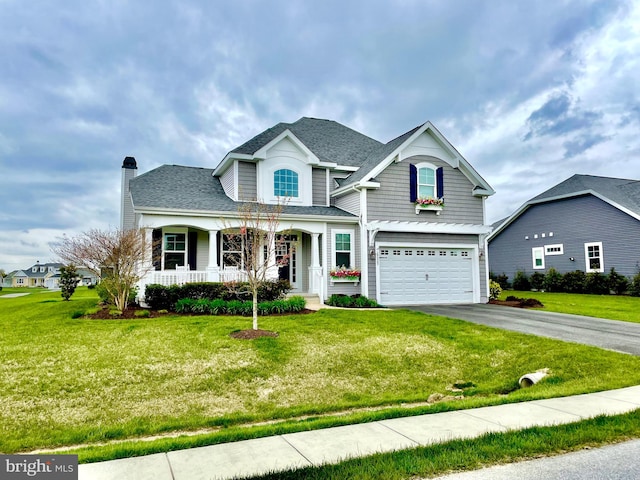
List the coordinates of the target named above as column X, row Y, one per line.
column 251, row 334
column 519, row 303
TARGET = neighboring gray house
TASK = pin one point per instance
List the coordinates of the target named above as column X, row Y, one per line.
column 585, row 223
column 45, row 275
column 351, row 202
column 38, row 275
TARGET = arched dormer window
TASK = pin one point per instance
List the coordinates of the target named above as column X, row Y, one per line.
column 285, row 183
column 426, row 181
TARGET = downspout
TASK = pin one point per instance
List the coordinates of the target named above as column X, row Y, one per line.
column 485, row 247
column 364, row 245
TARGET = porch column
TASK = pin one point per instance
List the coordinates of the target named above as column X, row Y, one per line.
column 213, row 269
column 315, row 270
column 147, row 269
column 272, row 266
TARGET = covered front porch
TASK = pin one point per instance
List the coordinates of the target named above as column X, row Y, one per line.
column 185, row 254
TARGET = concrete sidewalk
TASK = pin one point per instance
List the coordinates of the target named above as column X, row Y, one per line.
column 331, row 445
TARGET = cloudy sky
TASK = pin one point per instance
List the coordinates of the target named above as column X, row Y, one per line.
column 529, row 92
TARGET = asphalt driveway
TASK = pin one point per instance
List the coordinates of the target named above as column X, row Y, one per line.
column 610, row 334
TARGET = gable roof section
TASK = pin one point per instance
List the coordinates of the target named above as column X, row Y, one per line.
column 384, row 156
column 329, row 141
column 190, row 189
column 621, row 193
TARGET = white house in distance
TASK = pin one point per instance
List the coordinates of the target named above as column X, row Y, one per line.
column 408, row 215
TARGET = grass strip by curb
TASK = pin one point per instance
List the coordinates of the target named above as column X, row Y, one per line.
column 489, row 449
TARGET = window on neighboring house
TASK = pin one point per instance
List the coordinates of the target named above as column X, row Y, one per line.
column 285, row 183
column 343, row 248
column 593, row 257
column 175, row 250
column 538, row 258
column 554, row 249
column 426, row 181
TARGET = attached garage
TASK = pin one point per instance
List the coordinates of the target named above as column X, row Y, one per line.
column 414, row 275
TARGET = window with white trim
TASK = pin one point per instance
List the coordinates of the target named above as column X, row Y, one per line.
column 426, row 181
column 343, row 248
column 557, row 249
column 537, row 254
column 594, row 257
column 285, row 183
column 174, row 250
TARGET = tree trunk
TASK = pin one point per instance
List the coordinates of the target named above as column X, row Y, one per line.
column 255, row 310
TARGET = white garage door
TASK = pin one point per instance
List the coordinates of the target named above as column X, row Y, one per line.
column 413, row 276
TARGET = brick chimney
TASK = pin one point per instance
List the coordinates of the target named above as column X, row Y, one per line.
column 129, row 171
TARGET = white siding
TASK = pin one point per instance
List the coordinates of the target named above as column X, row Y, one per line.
column 227, row 182
column 349, row 203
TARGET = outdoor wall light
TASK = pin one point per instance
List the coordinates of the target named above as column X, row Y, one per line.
column 572, row 259
column 372, row 253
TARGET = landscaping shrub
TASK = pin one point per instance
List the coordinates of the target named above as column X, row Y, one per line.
column 104, row 296
column 142, row 313
column 552, row 281
column 618, row 284
column 161, row 297
column 537, row 281
column 495, row 290
column 354, row 301
column 203, row 290
column 634, row 290
column 573, row 282
column 270, row 291
column 521, row 281
column 204, row 306
column 596, row 283
column 502, row 280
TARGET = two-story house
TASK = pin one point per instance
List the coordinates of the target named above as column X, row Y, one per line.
column 351, row 201
column 46, row 275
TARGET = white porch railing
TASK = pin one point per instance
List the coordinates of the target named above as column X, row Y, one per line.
column 233, row 275
column 173, row 277
column 176, row 277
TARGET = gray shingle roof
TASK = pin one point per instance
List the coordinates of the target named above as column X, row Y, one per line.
column 175, row 187
column 329, row 141
column 621, row 191
column 377, row 156
column 624, row 192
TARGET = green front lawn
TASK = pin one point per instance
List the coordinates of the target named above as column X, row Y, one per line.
column 613, row 307
column 74, row 381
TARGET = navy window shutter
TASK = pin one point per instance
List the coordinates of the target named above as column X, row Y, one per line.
column 440, row 182
column 413, row 183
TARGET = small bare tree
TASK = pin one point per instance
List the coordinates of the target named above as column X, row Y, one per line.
column 258, row 246
column 118, row 256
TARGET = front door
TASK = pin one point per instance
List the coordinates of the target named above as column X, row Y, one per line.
column 287, row 259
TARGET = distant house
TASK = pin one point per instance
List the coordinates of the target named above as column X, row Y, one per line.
column 586, row 223
column 45, row 275
column 38, row 275
column 354, row 202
